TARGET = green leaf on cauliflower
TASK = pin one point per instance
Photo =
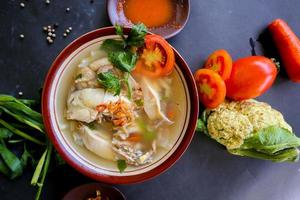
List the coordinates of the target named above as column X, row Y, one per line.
column 271, row 140
column 287, row 155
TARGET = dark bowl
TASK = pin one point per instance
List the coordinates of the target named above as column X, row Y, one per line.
column 53, row 105
column 86, row 191
column 117, row 16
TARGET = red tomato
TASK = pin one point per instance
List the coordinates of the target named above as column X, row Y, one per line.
column 250, row 77
column 211, row 88
column 157, row 58
column 221, row 62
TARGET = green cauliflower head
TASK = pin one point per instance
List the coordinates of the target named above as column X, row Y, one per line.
column 232, row 122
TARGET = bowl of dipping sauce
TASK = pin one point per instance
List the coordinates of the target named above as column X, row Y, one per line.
column 163, row 17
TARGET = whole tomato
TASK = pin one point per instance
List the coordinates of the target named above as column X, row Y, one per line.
column 250, row 77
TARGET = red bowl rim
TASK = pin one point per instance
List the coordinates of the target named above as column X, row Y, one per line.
column 188, row 136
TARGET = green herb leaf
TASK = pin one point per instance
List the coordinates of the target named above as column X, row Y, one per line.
column 3, row 168
column 137, row 35
column 119, row 31
column 129, row 88
column 287, row 155
column 110, row 82
column 24, row 119
column 12, row 161
column 201, row 127
column 26, row 156
column 20, row 133
column 38, row 169
column 28, row 102
column 122, row 165
column 44, row 172
column 111, row 45
column 271, row 140
column 5, row 133
column 125, row 61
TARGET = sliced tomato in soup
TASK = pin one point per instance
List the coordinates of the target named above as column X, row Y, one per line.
column 157, row 58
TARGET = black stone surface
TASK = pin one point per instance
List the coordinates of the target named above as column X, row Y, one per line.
column 206, row 171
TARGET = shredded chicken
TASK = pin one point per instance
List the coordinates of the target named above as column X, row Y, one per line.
column 133, row 153
column 86, row 78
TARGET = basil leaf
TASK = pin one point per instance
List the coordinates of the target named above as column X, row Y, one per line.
column 125, row 60
column 271, row 140
column 110, row 82
column 12, row 161
column 111, row 45
column 137, row 35
column 122, row 165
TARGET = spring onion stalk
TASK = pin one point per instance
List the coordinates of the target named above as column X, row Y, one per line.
column 44, row 172
column 20, row 133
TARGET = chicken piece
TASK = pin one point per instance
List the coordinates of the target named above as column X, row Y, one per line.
column 97, row 141
column 81, row 104
column 86, row 78
column 102, row 62
column 106, row 68
column 153, row 105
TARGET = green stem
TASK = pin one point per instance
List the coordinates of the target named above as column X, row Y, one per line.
column 20, row 133
column 45, row 170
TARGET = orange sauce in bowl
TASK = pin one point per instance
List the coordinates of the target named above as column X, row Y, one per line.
column 153, row 13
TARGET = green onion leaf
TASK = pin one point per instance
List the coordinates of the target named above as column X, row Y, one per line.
column 11, row 160
column 38, row 169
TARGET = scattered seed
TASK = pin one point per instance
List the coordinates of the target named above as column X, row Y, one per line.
column 68, row 10
column 49, row 27
column 22, row 36
column 47, row 2
column 65, row 35
column 54, row 35
column 48, row 38
column 53, row 30
column 45, row 28
column 22, row 5
column 50, row 41
column 70, row 28
column 49, row 34
column 68, row 31
column 20, row 93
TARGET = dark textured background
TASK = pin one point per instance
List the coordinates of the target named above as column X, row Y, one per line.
column 206, row 171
